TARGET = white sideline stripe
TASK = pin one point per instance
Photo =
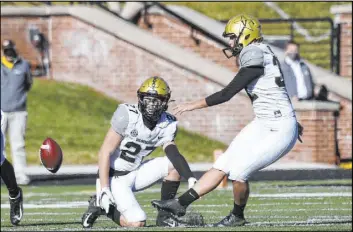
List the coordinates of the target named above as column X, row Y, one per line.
column 84, row 204
column 50, row 200
column 48, row 213
column 229, row 205
column 309, row 222
column 312, row 222
column 267, row 195
column 49, row 206
column 289, row 195
column 318, row 217
column 54, row 219
column 230, row 188
column 299, row 210
column 41, row 202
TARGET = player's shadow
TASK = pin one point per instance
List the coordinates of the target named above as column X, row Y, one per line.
column 45, row 224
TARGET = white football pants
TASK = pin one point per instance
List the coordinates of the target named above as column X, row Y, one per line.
column 259, row 144
column 2, row 140
column 15, row 124
column 2, row 148
column 123, row 187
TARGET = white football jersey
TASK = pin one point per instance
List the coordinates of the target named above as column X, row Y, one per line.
column 268, row 93
column 138, row 140
column 2, row 140
column 2, row 119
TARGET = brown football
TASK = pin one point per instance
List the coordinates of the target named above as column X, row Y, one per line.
column 51, row 155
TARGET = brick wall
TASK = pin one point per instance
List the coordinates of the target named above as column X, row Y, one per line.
column 318, row 139
column 18, row 31
column 346, row 45
column 344, row 126
column 84, row 54
column 343, row 17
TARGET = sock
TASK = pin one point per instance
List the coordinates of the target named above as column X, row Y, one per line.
column 8, row 176
column 114, row 214
column 238, row 210
column 169, row 189
column 188, row 197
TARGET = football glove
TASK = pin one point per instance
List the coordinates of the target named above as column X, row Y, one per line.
column 106, row 199
column 191, row 181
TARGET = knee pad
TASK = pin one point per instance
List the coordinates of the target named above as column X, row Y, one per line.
column 135, row 215
column 238, row 177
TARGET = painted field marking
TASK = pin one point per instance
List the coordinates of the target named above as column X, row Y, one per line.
column 254, row 195
column 84, row 204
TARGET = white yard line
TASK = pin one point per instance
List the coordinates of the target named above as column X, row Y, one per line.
column 328, row 222
column 47, row 213
column 290, row 195
column 230, row 205
column 316, row 218
column 41, row 194
column 58, row 205
column 298, row 210
column 147, row 201
column 84, row 204
column 256, row 195
column 309, row 222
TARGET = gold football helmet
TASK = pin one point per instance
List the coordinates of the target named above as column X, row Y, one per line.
column 153, row 97
column 244, row 29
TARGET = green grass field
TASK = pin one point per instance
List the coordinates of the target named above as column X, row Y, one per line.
column 78, row 117
column 273, row 206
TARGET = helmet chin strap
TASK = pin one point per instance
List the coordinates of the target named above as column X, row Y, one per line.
column 232, row 48
column 149, row 123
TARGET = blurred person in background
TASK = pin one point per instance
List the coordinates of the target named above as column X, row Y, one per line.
column 16, row 81
column 297, row 75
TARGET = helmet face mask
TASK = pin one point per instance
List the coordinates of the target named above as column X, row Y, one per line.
column 152, row 106
column 243, row 29
column 236, row 48
column 153, row 98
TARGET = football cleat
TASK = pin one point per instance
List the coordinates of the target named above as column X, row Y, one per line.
column 230, row 221
column 172, row 206
column 16, row 208
column 166, row 219
column 191, row 219
column 161, row 217
column 92, row 213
